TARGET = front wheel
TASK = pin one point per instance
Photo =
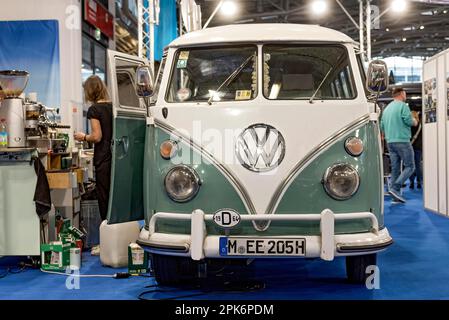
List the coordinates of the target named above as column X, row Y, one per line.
column 356, row 267
column 171, row 270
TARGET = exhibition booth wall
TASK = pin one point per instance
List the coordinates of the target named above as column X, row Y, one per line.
column 436, row 133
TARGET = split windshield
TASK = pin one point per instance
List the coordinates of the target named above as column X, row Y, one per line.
column 290, row 72
column 199, row 73
column 300, row 71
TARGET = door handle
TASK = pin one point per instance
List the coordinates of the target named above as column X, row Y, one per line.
column 123, row 142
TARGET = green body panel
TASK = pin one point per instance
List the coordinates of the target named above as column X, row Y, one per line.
column 305, row 194
column 215, row 192
column 126, row 195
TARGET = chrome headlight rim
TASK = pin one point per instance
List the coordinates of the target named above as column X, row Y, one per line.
column 331, row 192
column 349, row 151
column 196, row 180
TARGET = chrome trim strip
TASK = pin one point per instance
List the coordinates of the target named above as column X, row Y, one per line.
column 351, row 248
column 165, row 247
column 310, row 156
column 221, row 167
column 131, row 114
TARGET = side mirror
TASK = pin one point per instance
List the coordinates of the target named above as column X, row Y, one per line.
column 144, row 82
column 377, row 77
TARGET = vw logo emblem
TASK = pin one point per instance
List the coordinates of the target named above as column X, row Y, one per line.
column 260, row 148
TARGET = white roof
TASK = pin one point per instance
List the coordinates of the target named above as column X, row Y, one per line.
column 261, row 32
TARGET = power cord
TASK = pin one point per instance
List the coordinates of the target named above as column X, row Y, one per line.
column 118, row 275
column 9, row 270
column 5, row 274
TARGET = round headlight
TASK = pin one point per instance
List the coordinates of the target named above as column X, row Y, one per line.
column 341, row 181
column 182, row 183
column 354, row 146
column 168, row 149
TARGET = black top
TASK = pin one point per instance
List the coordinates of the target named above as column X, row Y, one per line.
column 417, row 144
column 103, row 113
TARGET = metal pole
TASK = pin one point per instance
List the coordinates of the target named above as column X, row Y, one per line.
column 152, row 19
column 213, row 14
column 361, row 27
column 368, row 30
column 140, row 28
column 181, row 24
column 347, row 13
column 382, row 14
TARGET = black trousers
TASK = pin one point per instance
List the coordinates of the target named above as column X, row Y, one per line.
column 103, row 180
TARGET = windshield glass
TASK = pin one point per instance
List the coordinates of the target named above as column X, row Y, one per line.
column 298, row 71
column 198, row 73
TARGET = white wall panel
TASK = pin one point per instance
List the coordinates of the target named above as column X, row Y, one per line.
column 441, row 125
column 446, row 103
column 430, row 149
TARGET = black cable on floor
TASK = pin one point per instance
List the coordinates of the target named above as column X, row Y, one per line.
column 22, row 269
column 5, row 274
column 229, row 287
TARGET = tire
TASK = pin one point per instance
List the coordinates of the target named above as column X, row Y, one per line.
column 356, row 267
column 171, row 270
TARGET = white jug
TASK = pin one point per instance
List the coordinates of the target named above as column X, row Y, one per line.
column 114, row 241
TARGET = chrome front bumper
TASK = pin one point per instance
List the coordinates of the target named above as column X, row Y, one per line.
column 198, row 245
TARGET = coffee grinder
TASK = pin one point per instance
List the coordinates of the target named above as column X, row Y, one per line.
column 12, row 85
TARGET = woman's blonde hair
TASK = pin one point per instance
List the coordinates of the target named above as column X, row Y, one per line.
column 95, row 89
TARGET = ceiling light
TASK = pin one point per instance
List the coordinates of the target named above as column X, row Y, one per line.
column 228, row 8
column 387, row 29
column 421, row 27
column 404, row 39
column 319, row 7
column 398, row 5
column 444, row 11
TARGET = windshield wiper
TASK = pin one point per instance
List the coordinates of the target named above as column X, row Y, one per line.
column 319, row 87
column 231, row 77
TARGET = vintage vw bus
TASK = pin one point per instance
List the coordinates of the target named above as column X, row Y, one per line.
column 260, row 140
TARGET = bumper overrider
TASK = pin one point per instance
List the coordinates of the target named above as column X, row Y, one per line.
column 198, row 245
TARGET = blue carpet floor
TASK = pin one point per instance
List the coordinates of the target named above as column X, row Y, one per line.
column 415, row 267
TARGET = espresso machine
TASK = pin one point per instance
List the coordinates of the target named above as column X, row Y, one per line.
column 28, row 121
column 41, row 128
column 12, row 84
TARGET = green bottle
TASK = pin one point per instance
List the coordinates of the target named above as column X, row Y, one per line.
column 3, row 134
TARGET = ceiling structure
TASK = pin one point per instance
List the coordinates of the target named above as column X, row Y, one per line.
column 421, row 30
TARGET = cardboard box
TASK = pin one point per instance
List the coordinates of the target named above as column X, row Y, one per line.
column 60, row 180
column 137, row 259
column 55, row 256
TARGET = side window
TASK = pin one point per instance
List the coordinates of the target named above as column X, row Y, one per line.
column 125, row 74
column 339, row 88
column 344, row 84
column 126, row 91
column 334, row 92
column 362, row 70
column 158, row 81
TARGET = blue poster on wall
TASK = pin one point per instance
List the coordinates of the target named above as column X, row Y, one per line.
column 167, row 29
column 33, row 46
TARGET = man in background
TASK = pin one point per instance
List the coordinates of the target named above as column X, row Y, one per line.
column 417, row 147
column 395, row 124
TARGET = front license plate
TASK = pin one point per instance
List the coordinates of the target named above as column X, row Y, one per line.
column 230, row 246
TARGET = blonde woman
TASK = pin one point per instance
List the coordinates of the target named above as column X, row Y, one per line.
column 100, row 116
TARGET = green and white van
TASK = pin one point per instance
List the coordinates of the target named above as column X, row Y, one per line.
column 258, row 140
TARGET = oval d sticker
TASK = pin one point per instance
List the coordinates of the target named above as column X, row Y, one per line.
column 226, row 218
